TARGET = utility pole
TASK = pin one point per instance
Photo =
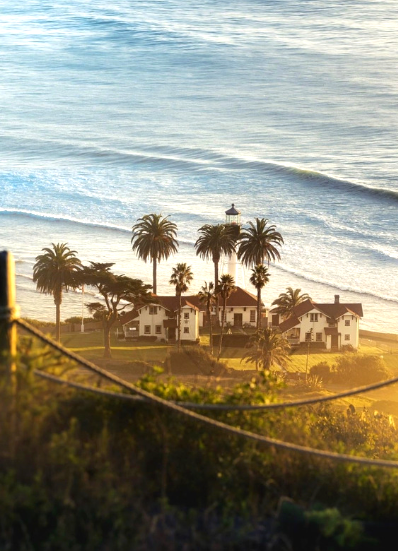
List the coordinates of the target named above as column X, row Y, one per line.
column 8, row 312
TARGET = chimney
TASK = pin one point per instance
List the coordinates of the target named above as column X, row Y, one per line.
column 336, row 299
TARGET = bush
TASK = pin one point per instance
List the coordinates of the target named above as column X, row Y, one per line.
column 193, row 359
column 321, row 370
column 347, row 348
column 78, row 319
column 80, row 471
column 361, row 369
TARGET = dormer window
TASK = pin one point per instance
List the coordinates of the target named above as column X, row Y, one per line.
column 153, row 310
column 313, row 317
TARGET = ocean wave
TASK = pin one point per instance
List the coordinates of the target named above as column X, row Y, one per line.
column 71, row 220
column 67, row 219
column 24, row 276
column 334, row 285
column 196, row 159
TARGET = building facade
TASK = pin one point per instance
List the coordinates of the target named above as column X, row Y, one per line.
column 330, row 325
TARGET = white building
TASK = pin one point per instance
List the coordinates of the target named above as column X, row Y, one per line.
column 330, row 325
column 159, row 320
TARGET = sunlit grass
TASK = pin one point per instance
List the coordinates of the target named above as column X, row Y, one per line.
column 90, row 346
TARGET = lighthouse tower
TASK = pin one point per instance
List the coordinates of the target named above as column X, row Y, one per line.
column 231, row 264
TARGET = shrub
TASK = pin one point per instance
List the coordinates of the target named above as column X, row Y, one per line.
column 193, row 359
column 347, row 348
column 78, row 319
column 321, row 370
column 361, row 369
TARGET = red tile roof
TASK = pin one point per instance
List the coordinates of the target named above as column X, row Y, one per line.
column 334, row 311
column 289, row 323
column 128, row 316
column 240, row 298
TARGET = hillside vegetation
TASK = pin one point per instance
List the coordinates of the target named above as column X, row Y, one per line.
column 86, row 472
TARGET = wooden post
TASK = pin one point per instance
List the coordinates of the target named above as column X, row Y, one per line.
column 8, row 311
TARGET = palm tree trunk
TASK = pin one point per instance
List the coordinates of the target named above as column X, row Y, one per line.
column 154, row 275
column 179, row 323
column 217, row 297
column 211, row 331
column 58, row 321
column 258, row 309
column 222, row 327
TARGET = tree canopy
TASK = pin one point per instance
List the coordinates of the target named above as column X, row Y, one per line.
column 259, row 242
column 154, row 238
column 268, row 348
column 56, row 270
column 286, row 302
column 117, row 291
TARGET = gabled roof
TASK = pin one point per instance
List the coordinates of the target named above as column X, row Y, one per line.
column 171, row 303
column 239, row 298
column 128, row 316
column 334, row 310
column 289, row 323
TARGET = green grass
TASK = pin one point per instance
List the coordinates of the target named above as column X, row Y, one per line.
column 90, row 346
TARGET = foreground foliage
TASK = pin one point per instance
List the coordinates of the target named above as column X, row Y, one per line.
column 84, row 472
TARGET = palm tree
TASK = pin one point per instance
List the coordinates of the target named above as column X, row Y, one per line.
column 286, row 302
column 259, row 278
column 269, row 348
column 208, row 298
column 259, row 243
column 225, row 287
column 55, row 271
column 154, row 238
column 215, row 240
column 181, row 277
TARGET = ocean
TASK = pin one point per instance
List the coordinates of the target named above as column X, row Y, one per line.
column 110, row 111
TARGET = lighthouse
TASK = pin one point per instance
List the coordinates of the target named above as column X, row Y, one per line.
column 231, row 264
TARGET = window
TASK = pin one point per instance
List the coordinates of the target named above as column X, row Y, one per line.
column 153, row 310
column 347, row 337
column 147, row 329
column 308, row 336
column 347, row 323
column 186, row 329
column 313, row 317
column 319, row 337
column 158, row 329
column 252, row 316
column 186, row 315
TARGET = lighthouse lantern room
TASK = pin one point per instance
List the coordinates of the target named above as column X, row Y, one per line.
column 232, row 216
column 231, row 265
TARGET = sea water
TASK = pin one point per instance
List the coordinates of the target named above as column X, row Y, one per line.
column 110, row 111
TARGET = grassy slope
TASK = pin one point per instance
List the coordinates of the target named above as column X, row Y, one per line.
column 89, row 345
